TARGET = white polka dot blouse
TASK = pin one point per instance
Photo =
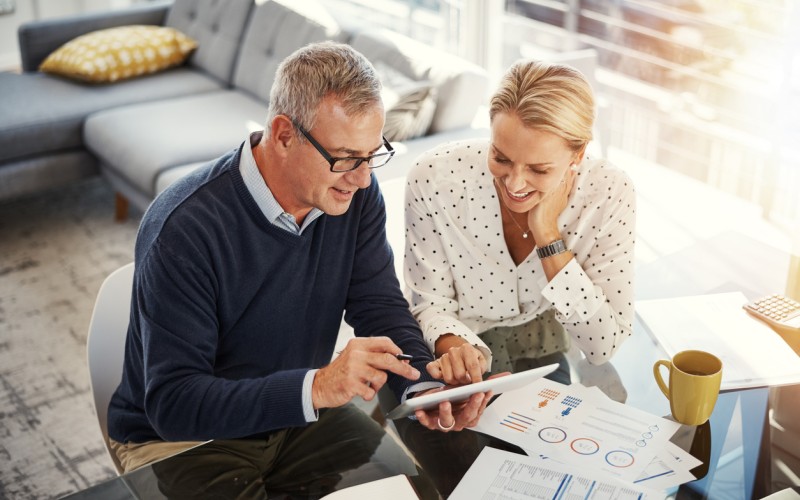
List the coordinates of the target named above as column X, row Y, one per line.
column 461, row 279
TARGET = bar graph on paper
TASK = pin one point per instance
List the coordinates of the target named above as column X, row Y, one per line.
column 517, row 422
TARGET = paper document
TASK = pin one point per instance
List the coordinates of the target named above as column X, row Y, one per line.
column 391, row 488
column 671, row 467
column 579, row 427
column 668, row 469
column 752, row 354
column 501, row 474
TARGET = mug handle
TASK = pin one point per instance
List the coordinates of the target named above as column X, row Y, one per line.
column 657, row 375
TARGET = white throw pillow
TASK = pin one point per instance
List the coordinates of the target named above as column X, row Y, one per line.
column 410, row 104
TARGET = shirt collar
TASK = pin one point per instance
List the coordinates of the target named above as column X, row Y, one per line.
column 263, row 196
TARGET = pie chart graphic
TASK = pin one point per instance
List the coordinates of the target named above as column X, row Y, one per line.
column 584, row 446
column 619, row 459
column 552, row 435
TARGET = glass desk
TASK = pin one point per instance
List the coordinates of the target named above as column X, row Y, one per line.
column 755, row 433
column 750, row 447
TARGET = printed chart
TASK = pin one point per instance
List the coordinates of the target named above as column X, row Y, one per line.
column 500, row 474
column 578, row 425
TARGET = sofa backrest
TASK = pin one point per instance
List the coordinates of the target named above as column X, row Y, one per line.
column 217, row 25
column 276, row 29
column 461, row 85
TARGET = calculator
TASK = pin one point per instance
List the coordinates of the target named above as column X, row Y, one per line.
column 779, row 312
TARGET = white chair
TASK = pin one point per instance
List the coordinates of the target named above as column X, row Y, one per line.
column 105, row 344
column 393, row 191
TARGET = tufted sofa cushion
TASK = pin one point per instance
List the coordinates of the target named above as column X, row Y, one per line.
column 217, row 26
column 277, row 29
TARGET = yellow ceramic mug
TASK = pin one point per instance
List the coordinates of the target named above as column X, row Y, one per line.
column 694, row 379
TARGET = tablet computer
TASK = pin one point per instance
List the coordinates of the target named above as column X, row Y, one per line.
column 496, row 385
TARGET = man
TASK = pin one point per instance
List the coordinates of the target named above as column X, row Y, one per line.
column 243, row 271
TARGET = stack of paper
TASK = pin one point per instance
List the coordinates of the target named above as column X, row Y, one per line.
column 582, row 429
column 752, row 354
column 502, row 474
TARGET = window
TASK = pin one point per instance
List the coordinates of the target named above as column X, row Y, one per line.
column 709, row 88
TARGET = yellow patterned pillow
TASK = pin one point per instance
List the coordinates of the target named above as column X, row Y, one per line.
column 118, row 53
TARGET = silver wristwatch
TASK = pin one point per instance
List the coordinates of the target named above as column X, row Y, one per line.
column 553, row 248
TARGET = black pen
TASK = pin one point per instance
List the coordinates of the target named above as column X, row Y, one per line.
column 401, row 357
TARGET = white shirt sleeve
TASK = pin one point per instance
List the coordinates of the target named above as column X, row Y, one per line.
column 593, row 293
column 428, row 276
column 308, row 403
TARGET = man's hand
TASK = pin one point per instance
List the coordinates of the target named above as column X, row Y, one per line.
column 455, row 417
column 359, row 370
column 458, row 363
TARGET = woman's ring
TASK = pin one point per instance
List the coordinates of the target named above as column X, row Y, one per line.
column 446, row 428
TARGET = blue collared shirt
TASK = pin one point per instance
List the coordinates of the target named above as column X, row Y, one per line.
column 266, row 201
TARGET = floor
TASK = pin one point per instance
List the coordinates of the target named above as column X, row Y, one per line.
column 55, row 251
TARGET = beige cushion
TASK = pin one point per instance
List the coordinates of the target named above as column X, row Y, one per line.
column 410, row 104
column 118, row 53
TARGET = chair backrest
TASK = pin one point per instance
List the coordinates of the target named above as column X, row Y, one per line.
column 394, row 192
column 105, row 344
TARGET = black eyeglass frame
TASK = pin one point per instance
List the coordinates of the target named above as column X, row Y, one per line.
column 358, row 159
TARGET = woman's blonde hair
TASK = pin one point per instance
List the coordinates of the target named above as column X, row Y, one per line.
column 553, row 97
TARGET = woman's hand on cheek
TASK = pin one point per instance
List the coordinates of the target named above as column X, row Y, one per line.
column 543, row 217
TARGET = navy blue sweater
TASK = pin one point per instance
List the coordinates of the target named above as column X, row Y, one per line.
column 229, row 312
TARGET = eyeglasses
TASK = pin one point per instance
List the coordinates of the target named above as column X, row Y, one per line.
column 346, row 164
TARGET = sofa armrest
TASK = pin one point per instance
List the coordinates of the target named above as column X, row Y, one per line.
column 37, row 39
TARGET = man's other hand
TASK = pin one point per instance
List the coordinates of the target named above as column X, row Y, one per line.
column 449, row 416
column 359, row 370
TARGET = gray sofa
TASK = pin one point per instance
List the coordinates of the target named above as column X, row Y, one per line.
column 144, row 133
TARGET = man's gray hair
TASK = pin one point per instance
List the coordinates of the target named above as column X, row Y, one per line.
column 319, row 70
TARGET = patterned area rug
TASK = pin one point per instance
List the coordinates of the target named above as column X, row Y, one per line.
column 55, row 251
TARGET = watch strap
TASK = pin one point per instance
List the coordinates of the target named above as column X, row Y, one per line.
column 553, row 248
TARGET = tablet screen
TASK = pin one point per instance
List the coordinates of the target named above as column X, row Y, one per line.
column 496, row 385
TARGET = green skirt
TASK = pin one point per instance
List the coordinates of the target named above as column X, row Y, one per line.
column 539, row 342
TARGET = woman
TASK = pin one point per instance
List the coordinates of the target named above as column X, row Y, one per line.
column 518, row 246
